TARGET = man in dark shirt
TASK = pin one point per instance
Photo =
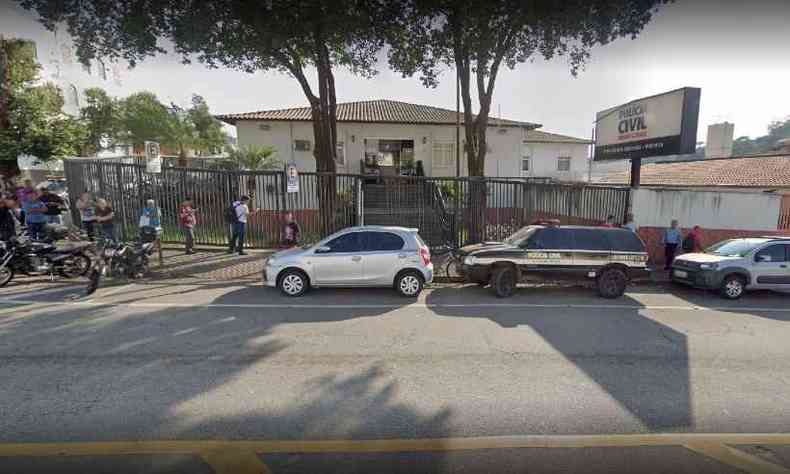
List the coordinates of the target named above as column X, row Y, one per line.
column 8, row 222
column 54, row 205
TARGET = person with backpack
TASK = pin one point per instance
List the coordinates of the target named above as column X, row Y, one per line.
column 188, row 220
column 237, row 215
column 671, row 240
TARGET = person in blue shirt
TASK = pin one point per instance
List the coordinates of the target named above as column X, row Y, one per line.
column 671, row 239
column 35, row 215
column 151, row 216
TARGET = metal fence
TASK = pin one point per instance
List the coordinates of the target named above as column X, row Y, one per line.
column 127, row 186
column 448, row 211
column 784, row 214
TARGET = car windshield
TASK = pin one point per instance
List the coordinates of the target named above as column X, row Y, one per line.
column 733, row 248
column 520, row 236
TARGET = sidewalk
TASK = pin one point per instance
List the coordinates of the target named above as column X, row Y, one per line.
column 208, row 263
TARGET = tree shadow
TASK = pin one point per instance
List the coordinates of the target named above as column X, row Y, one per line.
column 640, row 363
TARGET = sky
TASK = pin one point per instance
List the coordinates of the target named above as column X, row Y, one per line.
column 737, row 52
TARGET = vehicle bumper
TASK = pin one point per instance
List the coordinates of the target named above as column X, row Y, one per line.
column 697, row 278
column 427, row 273
column 270, row 275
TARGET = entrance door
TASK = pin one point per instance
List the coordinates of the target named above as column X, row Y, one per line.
column 341, row 263
column 772, row 267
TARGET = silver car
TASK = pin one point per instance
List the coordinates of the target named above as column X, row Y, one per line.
column 368, row 256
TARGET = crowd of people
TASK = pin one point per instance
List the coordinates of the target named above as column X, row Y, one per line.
column 30, row 207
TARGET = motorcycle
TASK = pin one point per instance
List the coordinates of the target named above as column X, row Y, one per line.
column 23, row 255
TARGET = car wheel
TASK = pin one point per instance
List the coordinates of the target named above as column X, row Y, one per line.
column 503, row 281
column 6, row 275
column 293, row 283
column 611, row 283
column 409, row 284
column 732, row 287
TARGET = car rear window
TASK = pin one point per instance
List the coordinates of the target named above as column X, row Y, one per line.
column 382, row 241
column 591, row 239
column 623, row 240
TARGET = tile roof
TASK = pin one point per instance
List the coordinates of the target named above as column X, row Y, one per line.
column 372, row 111
column 760, row 171
column 539, row 136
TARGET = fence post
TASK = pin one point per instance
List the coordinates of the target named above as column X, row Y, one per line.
column 360, row 201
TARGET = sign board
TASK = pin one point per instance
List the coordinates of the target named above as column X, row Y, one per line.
column 153, row 160
column 659, row 125
column 291, row 178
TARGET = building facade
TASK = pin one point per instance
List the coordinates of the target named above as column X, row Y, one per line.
column 390, row 138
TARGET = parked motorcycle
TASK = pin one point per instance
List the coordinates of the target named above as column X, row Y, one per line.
column 128, row 260
column 23, row 255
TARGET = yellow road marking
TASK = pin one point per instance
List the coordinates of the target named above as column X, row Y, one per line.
column 737, row 458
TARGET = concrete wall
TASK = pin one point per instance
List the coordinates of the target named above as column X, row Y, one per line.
column 712, row 209
column 506, row 147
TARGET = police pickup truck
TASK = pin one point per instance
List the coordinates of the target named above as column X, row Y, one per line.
column 608, row 256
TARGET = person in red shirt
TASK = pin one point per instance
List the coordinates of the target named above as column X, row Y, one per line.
column 696, row 235
column 188, row 221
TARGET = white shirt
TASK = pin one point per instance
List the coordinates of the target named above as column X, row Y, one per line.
column 631, row 226
column 242, row 211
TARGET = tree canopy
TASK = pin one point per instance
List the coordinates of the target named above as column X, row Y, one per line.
column 101, row 116
column 478, row 37
column 777, row 130
column 31, row 117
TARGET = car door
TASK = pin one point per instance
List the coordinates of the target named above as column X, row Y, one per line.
column 772, row 268
column 341, row 262
column 385, row 255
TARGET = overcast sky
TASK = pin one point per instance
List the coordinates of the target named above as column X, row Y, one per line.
column 736, row 51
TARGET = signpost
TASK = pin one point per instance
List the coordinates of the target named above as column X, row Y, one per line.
column 291, row 178
column 153, row 159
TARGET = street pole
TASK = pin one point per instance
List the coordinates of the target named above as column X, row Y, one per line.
column 457, row 151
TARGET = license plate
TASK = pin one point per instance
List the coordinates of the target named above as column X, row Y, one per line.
column 681, row 274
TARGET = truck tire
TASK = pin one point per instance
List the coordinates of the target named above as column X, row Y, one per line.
column 612, row 283
column 503, row 281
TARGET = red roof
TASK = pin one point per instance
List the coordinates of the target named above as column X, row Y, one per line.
column 756, row 171
column 372, row 111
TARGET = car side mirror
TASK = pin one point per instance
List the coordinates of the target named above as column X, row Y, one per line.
column 763, row 258
column 323, row 249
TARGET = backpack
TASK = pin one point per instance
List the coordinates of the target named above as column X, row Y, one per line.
column 230, row 215
column 688, row 243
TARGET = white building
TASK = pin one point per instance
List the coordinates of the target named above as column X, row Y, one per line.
column 393, row 136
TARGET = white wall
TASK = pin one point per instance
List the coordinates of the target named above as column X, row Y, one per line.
column 506, row 149
column 708, row 209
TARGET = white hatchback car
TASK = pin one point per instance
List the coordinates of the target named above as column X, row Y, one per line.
column 367, row 256
column 734, row 266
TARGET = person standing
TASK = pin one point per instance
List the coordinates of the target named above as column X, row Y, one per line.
column 671, row 240
column 150, row 215
column 291, row 231
column 693, row 241
column 242, row 211
column 105, row 218
column 8, row 223
column 188, row 222
column 630, row 224
column 35, row 215
column 55, row 205
column 25, row 193
column 87, row 207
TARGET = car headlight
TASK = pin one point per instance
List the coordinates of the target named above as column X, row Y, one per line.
column 709, row 266
column 471, row 260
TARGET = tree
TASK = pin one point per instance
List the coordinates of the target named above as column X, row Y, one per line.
column 31, row 118
column 210, row 136
column 143, row 118
column 249, row 35
column 254, row 158
column 181, row 133
column 101, row 116
column 478, row 37
column 777, row 130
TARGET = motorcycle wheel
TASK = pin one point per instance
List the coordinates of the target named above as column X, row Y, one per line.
column 6, row 275
column 76, row 266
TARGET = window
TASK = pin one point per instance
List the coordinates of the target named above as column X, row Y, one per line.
column 551, row 238
column 525, row 166
column 341, row 153
column 302, row 145
column 564, row 163
column 382, row 241
column 345, row 243
column 443, row 155
column 623, row 240
column 773, row 253
column 590, row 239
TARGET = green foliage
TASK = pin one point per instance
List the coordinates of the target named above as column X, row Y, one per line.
column 181, row 133
column 211, row 138
column 102, row 118
column 255, row 158
column 777, row 130
column 143, row 118
column 32, row 120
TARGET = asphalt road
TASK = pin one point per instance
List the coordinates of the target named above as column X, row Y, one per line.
column 168, row 362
